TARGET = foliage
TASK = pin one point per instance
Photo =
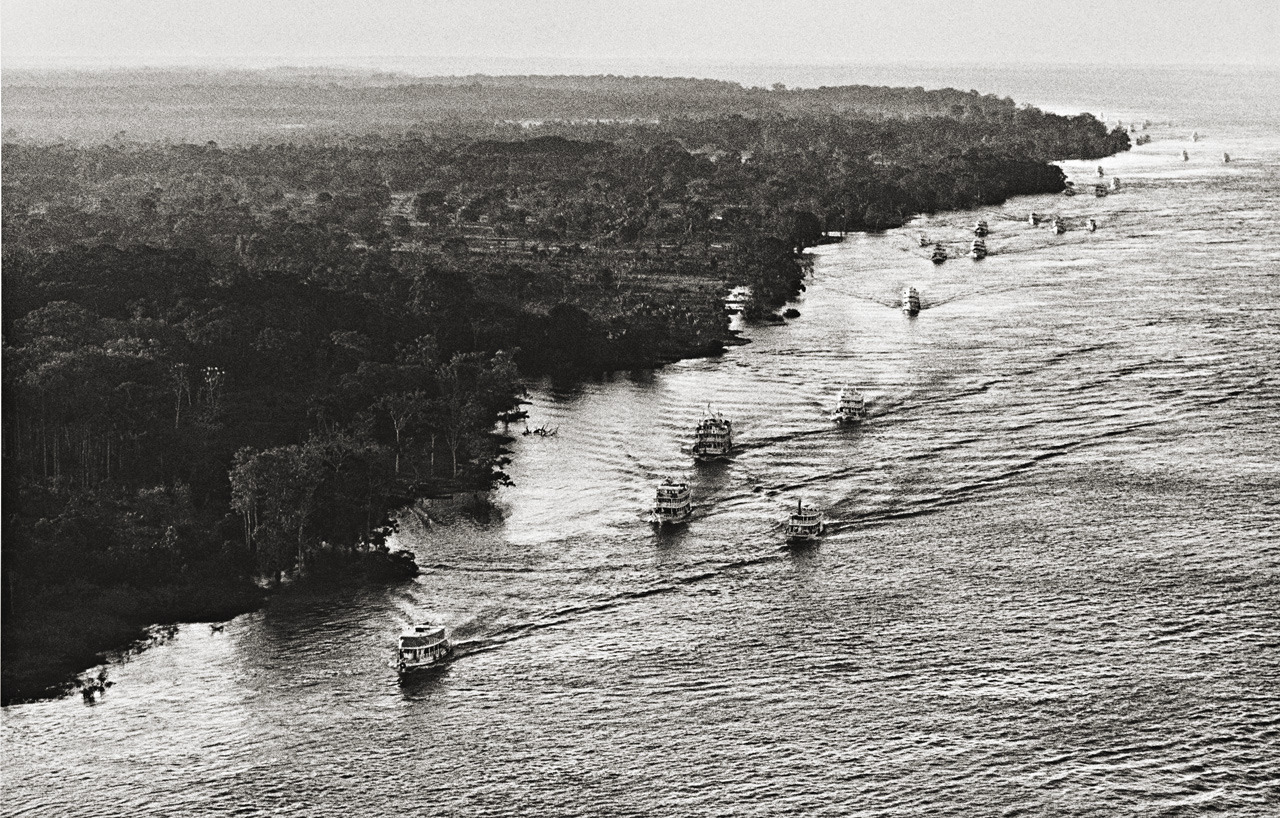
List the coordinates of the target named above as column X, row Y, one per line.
column 229, row 361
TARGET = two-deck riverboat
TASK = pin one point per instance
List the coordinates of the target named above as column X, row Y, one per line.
column 850, row 406
column 939, row 254
column 674, row 504
column 422, row 646
column 713, row 439
column 978, row 249
column 910, row 301
column 980, row 229
column 805, row 525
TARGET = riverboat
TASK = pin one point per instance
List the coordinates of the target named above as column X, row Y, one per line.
column 1099, row 191
column 1185, row 156
column 673, row 504
column 422, row 646
column 805, row 525
column 980, row 229
column 910, row 301
column 1093, row 225
column 1033, row 219
column 1115, row 182
column 924, row 240
column 713, row 439
column 1059, row 226
column 1226, row 158
column 1100, row 172
column 850, row 406
column 978, row 249
column 939, row 254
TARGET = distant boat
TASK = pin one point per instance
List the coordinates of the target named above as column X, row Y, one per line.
column 980, row 229
column 939, row 254
column 1093, row 225
column 421, row 647
column 713, row 438
column 1069, row 190
column 1100, row 172
column 1059, row 226
column 673, row 504
column 1033, row 219
column 924, row 240
column 805, row 525
column 850, row 406
column 1226, row 158
column 1099, row 191
column 910, row 301
column 1195, row 136
column 978, row 249
column 1115, row 182
column 1185, row 156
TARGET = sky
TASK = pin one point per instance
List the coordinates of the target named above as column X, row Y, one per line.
column 484, row 35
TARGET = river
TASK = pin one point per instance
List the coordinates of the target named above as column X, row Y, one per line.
column 1052, row 584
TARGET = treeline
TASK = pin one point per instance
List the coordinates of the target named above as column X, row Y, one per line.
column 229, row 362
column 281, row 104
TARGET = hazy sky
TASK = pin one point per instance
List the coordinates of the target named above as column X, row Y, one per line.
column 133, row 32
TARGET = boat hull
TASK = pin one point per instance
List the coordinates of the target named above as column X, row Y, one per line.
column 707, row 457
column 810, row 539
column 665, row 520
column 805, row 538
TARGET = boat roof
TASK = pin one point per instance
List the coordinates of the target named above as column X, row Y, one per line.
column 427, row 630
column 415, row 641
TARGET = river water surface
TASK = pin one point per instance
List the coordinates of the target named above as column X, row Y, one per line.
column 1052, row 584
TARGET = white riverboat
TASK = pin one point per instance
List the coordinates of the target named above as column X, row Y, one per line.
column 978, row 249
column 422, row 646
column 805, row 525
column 674, row 504
column 713, row 439
column 850, row 406
column 910, row 301
column 1059, row 226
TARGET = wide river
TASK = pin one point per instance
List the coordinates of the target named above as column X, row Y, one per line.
column 1052, row 585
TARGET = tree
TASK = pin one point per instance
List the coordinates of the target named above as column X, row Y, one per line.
column 273, row 491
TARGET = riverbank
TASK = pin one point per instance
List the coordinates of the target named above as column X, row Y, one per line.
column 70, row 628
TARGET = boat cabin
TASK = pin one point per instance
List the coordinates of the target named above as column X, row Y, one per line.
column 422, row 646
column 805, row 524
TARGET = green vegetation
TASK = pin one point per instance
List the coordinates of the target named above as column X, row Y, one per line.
column 225, row 364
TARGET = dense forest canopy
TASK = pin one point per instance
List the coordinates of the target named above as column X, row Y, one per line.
column 229, row 360
column 282, row 104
